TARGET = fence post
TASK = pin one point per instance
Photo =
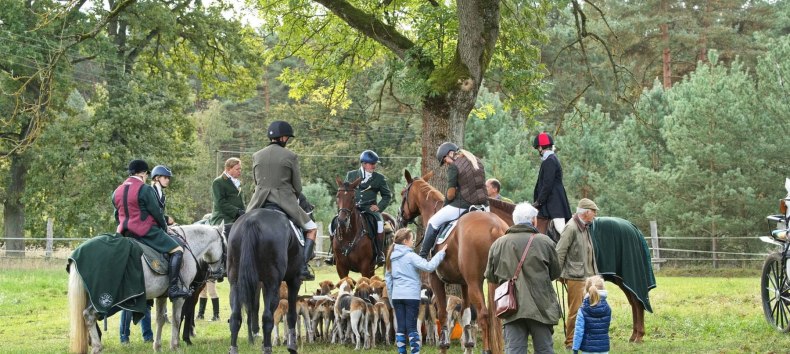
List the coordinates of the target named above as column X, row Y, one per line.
column 50, row 231
column 654, row 243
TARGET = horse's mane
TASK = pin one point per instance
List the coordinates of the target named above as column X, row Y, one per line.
column 501, row 205
column 427, row 188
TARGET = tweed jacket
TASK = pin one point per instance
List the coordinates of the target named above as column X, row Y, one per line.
column 227, row 201
column 275, row 171
column 575, row 251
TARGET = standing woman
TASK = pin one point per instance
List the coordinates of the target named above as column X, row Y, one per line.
column 403, row 285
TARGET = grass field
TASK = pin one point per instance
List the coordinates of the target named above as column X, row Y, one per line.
column 714, row 314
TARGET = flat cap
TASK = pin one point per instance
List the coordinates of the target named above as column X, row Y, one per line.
column 587, row 204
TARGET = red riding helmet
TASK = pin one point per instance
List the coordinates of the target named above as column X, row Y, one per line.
column 543, row 139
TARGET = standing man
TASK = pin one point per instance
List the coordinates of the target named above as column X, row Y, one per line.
column 549, row 196
column 492, row 190
column 538, row 310
column 275, row 171
column 228, row 199
column 577, row 259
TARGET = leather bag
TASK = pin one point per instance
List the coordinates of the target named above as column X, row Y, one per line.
column 505, row 294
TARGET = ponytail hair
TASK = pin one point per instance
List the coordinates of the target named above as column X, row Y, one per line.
column 471, row 157
column 594, row 284
column 400, row 237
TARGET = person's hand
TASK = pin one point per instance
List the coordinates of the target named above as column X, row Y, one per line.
column 374, row 208
column 444, row 248
column 536, row 205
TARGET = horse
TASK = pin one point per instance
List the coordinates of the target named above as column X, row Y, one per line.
column 353, row 250
column 469, row 241
column 619, row 236
column 204, row 242
column 263, row 247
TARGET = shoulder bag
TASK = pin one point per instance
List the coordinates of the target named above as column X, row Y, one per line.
column 505, row 294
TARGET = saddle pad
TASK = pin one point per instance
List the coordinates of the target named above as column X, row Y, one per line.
column 444, row 235
column 155, row 260
column 298, row 232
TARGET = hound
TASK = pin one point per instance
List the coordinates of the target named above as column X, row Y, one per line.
column 323, row 316
column 454, row 305
column 279, row 314
column 350, row 312
column 427, row 314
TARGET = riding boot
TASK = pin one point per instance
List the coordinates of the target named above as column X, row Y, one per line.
column 215, row 307
column 174, row 272
column 331, row 259
column 379, row 249
column 308, row 252
column 414, row 342
column 201, row 308
column 428, row 241
column 400, row 342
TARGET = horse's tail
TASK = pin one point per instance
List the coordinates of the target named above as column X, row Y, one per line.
column 247, row 285
column 78, row 301
column 494, row 323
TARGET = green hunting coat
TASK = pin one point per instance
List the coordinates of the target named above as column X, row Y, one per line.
column 367, row 193
column 275, row 171
column 535, row 294
column 227, row 201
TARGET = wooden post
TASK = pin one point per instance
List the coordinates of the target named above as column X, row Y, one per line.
column 654, row 243
column 319, row 244
column 714, row 246
column 50, row 232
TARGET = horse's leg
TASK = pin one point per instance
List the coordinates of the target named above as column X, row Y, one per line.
column 89, row 314
column 271, row 295
column 293, row 293
column 441, row 300
column 160, row 303
column 235, row 318
column 175, row 322
column 637, row 314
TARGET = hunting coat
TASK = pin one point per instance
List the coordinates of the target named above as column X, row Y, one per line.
column 275, row 171
column 549, row 191
column 366, row 193
column 535, row 294
column 469, row 183
column 227, row 200
column 138, row 214
column 575, row 251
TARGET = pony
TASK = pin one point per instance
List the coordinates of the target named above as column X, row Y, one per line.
column 203, row 241
column 628, row 244
column 263, row 247
column 469, row 241
column 352, row 248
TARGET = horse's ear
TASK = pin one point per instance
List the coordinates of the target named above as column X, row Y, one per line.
column 339, row 181
column 356, row 182
column 427, row 176
column 407, row 176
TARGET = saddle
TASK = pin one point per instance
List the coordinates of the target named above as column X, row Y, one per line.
column 156, row 261
column 297, row 230
column 444, row 230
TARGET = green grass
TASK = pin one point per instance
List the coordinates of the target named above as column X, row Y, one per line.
column 692, row 315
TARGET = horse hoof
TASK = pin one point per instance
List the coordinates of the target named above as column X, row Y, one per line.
column 266, row 350
column 472, row 345
column 486, row 352
column 233, row 350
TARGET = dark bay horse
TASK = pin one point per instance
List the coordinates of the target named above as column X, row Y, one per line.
column 352, row 247
column 626, row 263
column 469, row 241
column 263, row 247
column 203, row 241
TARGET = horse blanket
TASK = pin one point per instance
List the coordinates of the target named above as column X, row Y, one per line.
column 621, row 251
column 110, row 267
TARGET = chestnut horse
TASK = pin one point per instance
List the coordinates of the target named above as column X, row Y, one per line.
column 351, row 245
column 615, row 275
column 469, row 241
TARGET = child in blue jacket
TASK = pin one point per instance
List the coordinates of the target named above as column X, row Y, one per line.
column 403, row 284
column 593, row 319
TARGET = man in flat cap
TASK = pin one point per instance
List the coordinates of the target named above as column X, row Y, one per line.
column 577, row 259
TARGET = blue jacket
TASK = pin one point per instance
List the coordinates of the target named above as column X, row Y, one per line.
column 403, row 281
column 592, row 326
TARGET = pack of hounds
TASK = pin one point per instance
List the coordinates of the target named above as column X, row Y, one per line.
column 357, row 312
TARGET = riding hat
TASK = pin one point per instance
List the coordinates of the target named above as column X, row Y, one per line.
column 543, row 139
column 137, row 166
column 280, row 128
column 445, row 149
column 161, row 170
column 368, row 156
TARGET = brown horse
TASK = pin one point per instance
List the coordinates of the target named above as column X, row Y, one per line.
column 352, row 246
column 505, row 210
column 469, row 241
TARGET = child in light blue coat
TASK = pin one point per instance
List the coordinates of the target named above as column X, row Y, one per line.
column 402, row 275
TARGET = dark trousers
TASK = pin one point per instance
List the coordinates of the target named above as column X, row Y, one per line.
column 406, row 313
column 145, row 325
column 517, row 335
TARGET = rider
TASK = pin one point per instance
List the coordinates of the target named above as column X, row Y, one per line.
column 138, row 215
column 160, row 179
column 549, row 195
column 373, row 184
column 275, row 171
column 466, row 178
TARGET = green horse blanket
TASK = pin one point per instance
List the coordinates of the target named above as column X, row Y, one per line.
column 110, row 267
column 621, row 251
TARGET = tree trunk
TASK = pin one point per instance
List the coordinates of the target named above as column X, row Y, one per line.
column 666, row 57
column 13, row 209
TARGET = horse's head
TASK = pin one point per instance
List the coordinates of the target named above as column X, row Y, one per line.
column 209, row 244
column 409, row 206
column 345, row 201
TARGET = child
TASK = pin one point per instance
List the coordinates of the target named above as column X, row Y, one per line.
column 403, row 284
column 593, row 319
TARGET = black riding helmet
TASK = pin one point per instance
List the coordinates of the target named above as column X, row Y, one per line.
column 137, row 166
column 280, row 128
column 445, row 149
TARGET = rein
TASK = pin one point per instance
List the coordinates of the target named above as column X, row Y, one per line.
column 345, row 225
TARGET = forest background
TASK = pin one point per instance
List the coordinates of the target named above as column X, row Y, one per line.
column 674, row 111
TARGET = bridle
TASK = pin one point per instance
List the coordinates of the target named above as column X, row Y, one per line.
column 343, row 214
column 402, row 221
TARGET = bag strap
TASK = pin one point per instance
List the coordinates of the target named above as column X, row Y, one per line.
column 523, row 257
